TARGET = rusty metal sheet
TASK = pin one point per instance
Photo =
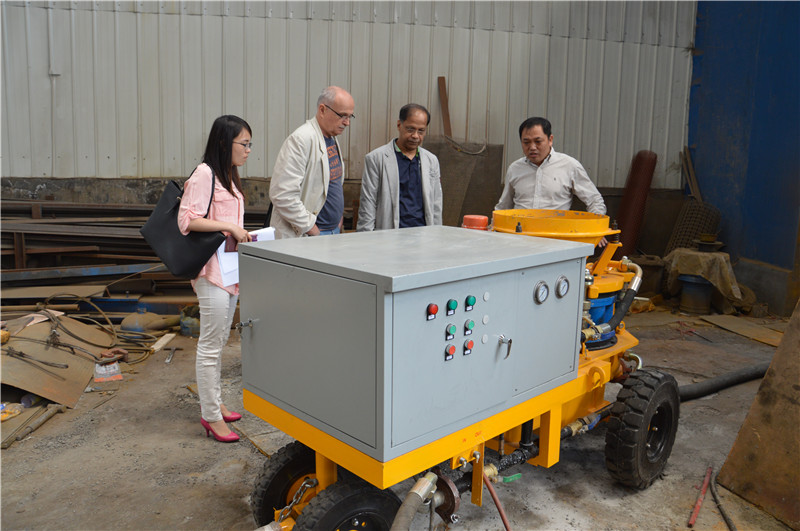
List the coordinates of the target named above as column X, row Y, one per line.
column 745, row 328
column 63, row 386
column 763, row 466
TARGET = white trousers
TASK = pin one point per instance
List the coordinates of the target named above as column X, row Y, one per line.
column 217, row 307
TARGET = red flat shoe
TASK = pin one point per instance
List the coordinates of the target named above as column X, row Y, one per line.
column 233, row 417
column 231, row 437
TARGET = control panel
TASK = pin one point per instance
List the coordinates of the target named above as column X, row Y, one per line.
column 392, row 339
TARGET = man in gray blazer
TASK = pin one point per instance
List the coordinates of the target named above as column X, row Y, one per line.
column 401, row 185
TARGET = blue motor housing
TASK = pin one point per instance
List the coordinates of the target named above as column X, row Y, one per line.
column 601, row 311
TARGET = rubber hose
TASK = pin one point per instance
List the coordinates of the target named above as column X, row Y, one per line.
column 404, row 516
column 722, row 511
column 712, row 385
column 497, row 503
column 622, row 308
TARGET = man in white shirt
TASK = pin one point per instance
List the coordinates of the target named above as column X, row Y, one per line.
column 544, row 178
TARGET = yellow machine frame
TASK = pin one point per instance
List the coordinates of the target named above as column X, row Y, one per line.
column 549, row 411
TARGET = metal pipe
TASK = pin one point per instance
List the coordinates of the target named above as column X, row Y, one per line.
column 700, row 497
column 526, row 440
column 422, row 490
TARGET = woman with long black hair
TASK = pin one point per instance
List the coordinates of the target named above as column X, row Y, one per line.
column 227, row 148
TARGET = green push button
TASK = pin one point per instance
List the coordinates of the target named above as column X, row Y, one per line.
column 452, row 304
column 470, row 324
column 451, row 329
column 470, row 300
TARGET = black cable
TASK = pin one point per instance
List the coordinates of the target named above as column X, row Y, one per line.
column 728, row 521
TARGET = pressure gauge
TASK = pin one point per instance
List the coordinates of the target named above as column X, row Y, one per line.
column 540, row 292
column 562, row 286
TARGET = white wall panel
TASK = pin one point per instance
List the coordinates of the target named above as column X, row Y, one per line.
column 149, row 96
column 629, row 102
column 540, row 73
column 591, row 127
column 420, row 76
column 61, row 93
column 502, row 13
column 212, row 70
column 440, row 66
column 191, row 77
column 254, row 81
column 458, row 87
column 358, row 135
column 233, row 72
column 169, row 77
column 611, row 108
column 319, row 59
column 497, row 97
column 377, row 117
column 135, row 85
column 478, row 95
column 106, row 94
column 17, row 160
column 633, row 21
column 277, row 91
column 400, row 75
column 297, row 96
column 518, row 91
column 578, row 19
column 39, row 92
column 83, row 112
column 127, row 111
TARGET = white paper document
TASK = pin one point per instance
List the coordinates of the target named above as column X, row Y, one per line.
column 229, row 262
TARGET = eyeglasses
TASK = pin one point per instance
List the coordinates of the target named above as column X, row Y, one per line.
column 247, row 145
column 341, row 116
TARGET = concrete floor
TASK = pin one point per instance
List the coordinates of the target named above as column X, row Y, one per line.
column 141, row 461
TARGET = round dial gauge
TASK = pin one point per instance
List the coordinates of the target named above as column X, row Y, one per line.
column 541, row 292
column 562, row 286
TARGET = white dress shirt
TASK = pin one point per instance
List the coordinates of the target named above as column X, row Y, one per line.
column 550, row 185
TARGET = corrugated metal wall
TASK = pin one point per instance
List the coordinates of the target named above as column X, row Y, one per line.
column 116, row 89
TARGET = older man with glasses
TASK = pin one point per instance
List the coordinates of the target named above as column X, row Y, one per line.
column 306, row 187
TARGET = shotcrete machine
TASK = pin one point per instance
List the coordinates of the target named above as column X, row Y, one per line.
column 442, row 354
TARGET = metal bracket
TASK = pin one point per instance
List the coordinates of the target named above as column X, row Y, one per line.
column 241, row 324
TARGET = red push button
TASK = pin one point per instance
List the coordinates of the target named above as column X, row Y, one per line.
column 449, row 351
column 468, row 345
column 431, row 311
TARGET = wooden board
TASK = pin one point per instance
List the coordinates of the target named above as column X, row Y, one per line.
column 13, row 426
column 745, row 328
column 763, row 466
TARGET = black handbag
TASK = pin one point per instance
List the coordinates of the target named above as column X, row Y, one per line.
column 186, row 255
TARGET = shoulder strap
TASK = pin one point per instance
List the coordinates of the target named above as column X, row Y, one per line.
column 211, row 199
column 269, row 213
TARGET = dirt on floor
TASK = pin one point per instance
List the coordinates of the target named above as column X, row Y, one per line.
column 141, row 460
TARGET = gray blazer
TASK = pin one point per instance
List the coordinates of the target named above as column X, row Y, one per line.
column 380, row 189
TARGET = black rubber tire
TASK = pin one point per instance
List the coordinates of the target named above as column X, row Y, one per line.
column 350, row 505
column 272, row 490
column 642, row 428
